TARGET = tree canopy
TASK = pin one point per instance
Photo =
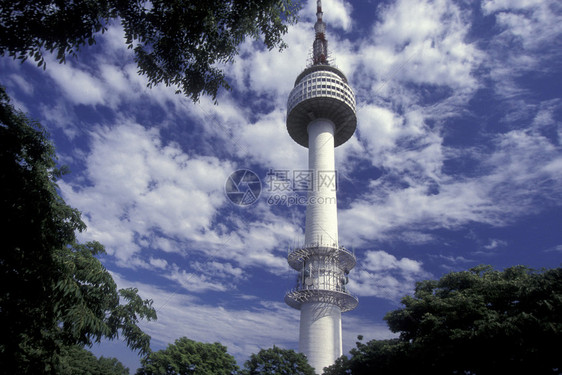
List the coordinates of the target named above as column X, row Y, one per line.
column 274, row 361
column 186, row 357
column 374, row 357
column 75, row 360
column 175, row 42
column 480, row 321
column 54, row 292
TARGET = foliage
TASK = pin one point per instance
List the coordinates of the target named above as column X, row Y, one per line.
column 89, row 307
column 176, row 42
column 480, row 321
column 53, row 291
column 275, row 361
column 186, row 356
column 375, row 357
column 75, row 360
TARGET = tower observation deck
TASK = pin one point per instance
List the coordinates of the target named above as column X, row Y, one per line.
column 321, row 116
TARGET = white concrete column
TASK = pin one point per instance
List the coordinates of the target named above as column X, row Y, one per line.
column 320, row 334
column 321, row 211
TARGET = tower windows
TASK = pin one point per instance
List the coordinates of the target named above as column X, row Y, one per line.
column 322, row 83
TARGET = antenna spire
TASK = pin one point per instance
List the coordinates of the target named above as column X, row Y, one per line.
column 320, row 45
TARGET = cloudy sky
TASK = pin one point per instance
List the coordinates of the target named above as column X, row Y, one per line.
column 456, row 162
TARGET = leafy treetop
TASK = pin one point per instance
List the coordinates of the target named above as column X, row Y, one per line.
column 186, row 357
column 275, row 361
column 480, row 321
column 176, row 42
column 75, row 360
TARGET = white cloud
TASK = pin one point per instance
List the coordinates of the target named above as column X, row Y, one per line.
column 490, row 6
column 495, row 243
column 508, row 190
column 529, row 29
column 194, row 283
column 337, row 13
column 415, row 192
column 381, row 260
column 143, row 197
column 158, row 263
column 119, row 83
column 420, row 42
column 395, row 135
column 454, row 263
column 219, row 270
column 517, row 179
column 380, row 128
column 557, row 248
column 62, row 117
column 267, row 142
column 264, row 72
column 18, row 81
column 416, row 238
column 242, row 330
column 79, row 86
column 263, row 242
column 553, row 167
column 114, row 40
column 137, row 184
column 413, row 208
column 380, row 274
column 112, row 80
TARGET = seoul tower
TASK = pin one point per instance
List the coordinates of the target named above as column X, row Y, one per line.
column 321, row 116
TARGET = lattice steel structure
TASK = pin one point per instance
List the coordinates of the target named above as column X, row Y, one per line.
column 321, row 116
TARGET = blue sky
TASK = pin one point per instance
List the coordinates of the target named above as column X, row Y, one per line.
column 456, row 162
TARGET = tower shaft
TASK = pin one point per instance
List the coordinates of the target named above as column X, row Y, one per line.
column 320, row 322
column 320, row 334
column 321, row 210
